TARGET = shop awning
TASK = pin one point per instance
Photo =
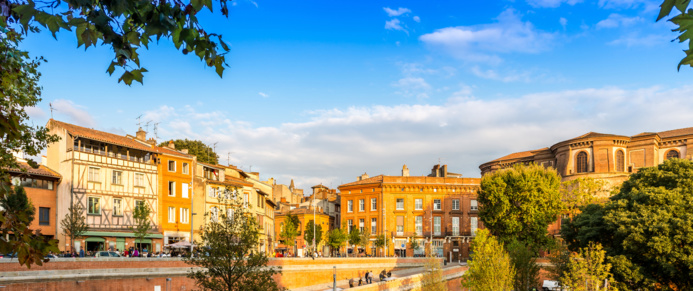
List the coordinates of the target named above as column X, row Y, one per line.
column 119, row 234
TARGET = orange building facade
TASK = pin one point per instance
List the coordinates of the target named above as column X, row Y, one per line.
column 438, row 211
column 305, row 215
column 41, row 186
column 175, row 193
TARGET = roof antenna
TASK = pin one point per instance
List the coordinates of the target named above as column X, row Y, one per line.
column 156, row 125
column 146, row 126
column 51, row 106
column 139, row 120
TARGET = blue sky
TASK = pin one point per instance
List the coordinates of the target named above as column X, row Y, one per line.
column 322, row 91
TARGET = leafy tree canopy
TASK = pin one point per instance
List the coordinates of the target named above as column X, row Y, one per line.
column 519, row 203
column 587, row 270
column 308, row 233
column 336, row 237
column 290, row 230
column 525, row 264
column 683, row 21
column 203, row 152
column 645, row 228
column 125, row 26
column 490, row 268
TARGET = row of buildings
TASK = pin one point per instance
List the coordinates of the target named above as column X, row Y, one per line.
column 109, row 174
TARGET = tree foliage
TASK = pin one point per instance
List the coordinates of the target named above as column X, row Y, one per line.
column 525, row 264
column 142, row 222
column 683, row 20
column 203, row 152
column 587, row 270
column 645, row 228
column 225, row 254
column 581, row 192
column 519, row 203
column 380, row 241
column 365, row 239
column 19, row 203
column 308, row 233
column 74, row 223
column 125, row 26
column 290, row 230
column 490, row 268
column 414, row 244
column 432, row 278
column 335, row 238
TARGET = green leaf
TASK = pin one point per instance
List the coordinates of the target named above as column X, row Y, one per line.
column 688, row 60
column 666, row 8
column 111, row 68
column 681, row 5
column 196, row 4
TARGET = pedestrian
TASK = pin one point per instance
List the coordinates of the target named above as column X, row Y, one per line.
column 81, row 252
column 136, row 253
column 365, row 277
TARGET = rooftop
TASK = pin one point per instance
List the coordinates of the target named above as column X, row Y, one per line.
column 93, row 134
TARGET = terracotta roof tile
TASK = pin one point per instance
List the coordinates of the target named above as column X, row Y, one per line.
column 40, row 171
column 102, row 136
column 520, row 155
column 676, row 132
column 165, row 150
column 375, row 179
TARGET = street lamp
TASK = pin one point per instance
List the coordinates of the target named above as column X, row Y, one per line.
column 334, row 278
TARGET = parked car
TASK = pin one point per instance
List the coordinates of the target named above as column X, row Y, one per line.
column 50, row 256
column 105, row 254
column 8, row 256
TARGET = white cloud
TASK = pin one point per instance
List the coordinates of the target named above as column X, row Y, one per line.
column 335, row 145
column 263, row 94
column 635, row 40
column 611, row 4
column 393, row 13
column 76, row 114
column 394, row 24
column 413, row 87
column 416, row 18
column 35, row 113
column 483, row 43
column 563, row 22
column 615, row 20
column 551, row 3
column 491, row 74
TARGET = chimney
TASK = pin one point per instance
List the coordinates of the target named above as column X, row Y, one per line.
column 44, row 161
column 362, row 177
column 151, row 141
column 185, row 151
column 141, row 134
column 171, row 144
column 405, row 171
column 444, row 171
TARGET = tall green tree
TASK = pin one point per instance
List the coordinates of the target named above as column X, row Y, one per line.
column 142, row 224
column 587, row 270
column 124, row 26
column 308, row 234
column 683, row 22
column 336, row 238
column 365, row 239
column 645, row 228
column 581, row 192
column 559, row 259
column 203, row 152
column 380, row 242
column 226, row 256
column 414, row 244
column 519, row 203
column 19, row 203
column 525, row 264
column 355, row 239
column 490, row 268
column 74, row 224
column 290, row 230
column 19, row 89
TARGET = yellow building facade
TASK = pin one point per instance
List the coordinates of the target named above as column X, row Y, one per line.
column 175, row 193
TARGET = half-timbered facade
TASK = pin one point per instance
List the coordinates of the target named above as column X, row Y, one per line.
column 107, row 175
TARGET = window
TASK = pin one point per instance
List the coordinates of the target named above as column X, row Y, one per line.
column 139, row 180
column 455, row 204
column 350, row 225
column 214, row 211
column 184, row 190
column 419, row 225
column 185, row 168
column 400, row 225
column 44, row 216
column 94, row 205
column 211, row 192
column 139, row 203
column 418, row 204
column 245, row 200
column 374, row 225
column 94, row 174
column 350, row 206
column 400, row 204
column 455, row 226
column 171, row 188
column 473, row 205
column 362, row 204
column 475, row 224
column 184, row 215
column 436, row 225
column 117, row 178
column 117, row 207
column 374, row 204
column 620, row 158
column 436, row 204
column 361, row 225
column 672, row 154
column 581, row 162
column 229, row 214
column 171, row 214
column 171, row 166
column 32, row 183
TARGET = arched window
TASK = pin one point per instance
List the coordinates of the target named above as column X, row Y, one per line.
column 620, row 165
column 582, row 162
column 672, row 154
